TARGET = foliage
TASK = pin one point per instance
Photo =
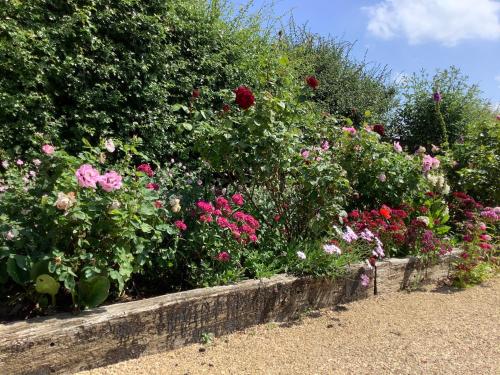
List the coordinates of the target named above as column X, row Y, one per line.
column 346, row 87
column 58, row 225
column 420, row 118
column 377, row 172
column 73, row 69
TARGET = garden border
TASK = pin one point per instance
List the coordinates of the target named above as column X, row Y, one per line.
column 65, row 343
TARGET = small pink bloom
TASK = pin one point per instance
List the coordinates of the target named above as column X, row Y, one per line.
column 109, row 145
column 37, row 162
column 238, row 199
column 110, row 181
column 365, row 280
column 158, row 204
column 325, row 145
column 349, row 130
column 485, row 237
column 19, row 162
column 207, row 218
column 87, row 176
column 485, row 246
column 252, row 238
column 482, row 226
column 223, row 256
column 382, row 177
column 48, row 149
column 180, row 225
column 304, row 154
column 221, row 202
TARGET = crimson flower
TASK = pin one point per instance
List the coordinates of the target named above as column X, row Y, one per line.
column 244, row 97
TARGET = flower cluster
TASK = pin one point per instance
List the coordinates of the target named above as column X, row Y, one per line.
column 429, row 162
column 229, row 218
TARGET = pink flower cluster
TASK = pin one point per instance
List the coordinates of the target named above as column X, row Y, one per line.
column 429, row 162
column 88, row 177
column 349, row 130
column 242, row 226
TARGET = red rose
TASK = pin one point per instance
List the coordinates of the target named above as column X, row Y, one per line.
column 312, row 82
column 385, row 212
column 244, row 97
column 226, row 108
column 379, row 128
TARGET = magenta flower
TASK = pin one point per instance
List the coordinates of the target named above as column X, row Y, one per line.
column 48, row 149
column 325, row 145
column 152, row 186
column 437, row 97
column 110, row 181
column 146, row 168
column 87, row 176
column 238, row 199
column 205, row 206
column 304, row 154
column 180, row 225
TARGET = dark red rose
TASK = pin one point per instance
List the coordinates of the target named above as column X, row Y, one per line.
column 196, row 93
column 379, row 128
column 312, row 82
column 226, row 108
column 244, row 97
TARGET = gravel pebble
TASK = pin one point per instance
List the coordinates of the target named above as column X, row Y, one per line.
column 433, row 331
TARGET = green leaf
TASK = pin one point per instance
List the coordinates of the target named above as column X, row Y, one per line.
column 93, row 291
column 17, row 274
column 39, row 268
column 187, row 126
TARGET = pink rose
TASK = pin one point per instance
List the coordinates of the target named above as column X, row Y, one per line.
column 48, row 149
column 19, row 162
column 223, row 256
column 110, row 181
column 152, row 186
column 397, row 147
column 180, row 225
column 87, row 176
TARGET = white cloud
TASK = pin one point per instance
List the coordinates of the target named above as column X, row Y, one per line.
column 445, row 21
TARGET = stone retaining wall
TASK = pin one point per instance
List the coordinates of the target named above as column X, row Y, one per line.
column 109, row 334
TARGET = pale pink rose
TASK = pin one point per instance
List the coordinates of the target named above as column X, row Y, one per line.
column 305, row 154
column 19, row 162
column 397, row 147
column 5, row 164
column 10, row 235
column 48, row 149
column 110, row 181
column 65, row 201
column 350, row 130
column 382, row 177
column 87, row 176
column 37, row 162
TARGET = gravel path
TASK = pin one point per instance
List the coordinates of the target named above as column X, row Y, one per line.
column 425, row 332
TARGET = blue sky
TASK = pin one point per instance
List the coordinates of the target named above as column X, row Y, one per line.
column 408, row 35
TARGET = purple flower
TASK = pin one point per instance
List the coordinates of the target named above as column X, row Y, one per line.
column 87, row 176
column 437, row 97
column 349, row 235
column 330, row 249
column 365, row 280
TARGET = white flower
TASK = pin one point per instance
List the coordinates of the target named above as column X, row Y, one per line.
column 114, row 205
column 301, row 255
column 175, row 204
column 109, row 145
column 423, row 219
column 330, row 249
column 65, row 201
column 382, row 177
column 397, row 147
column 37, row 162
column 5, row 164
column 10, row 235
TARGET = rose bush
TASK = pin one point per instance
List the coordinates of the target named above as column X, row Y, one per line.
column 82, row 222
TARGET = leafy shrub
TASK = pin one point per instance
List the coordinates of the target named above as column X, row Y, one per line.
column 378, row 172
column 80, row 221
column 117, row 68
column 477, row 157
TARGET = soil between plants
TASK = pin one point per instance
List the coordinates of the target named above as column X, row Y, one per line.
column 431, row 331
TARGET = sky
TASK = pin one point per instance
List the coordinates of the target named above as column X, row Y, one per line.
column 408, row 35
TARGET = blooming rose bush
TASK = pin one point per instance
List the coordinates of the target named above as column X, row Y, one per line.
column 85, row 224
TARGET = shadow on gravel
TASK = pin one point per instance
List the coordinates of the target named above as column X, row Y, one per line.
column 445, row 289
